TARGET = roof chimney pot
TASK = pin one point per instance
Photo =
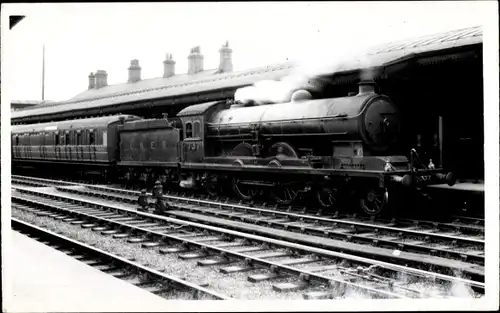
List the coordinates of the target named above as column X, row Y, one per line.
column 91, row 81
column 195, row 61
column 101, row 79
column 134, row 71
column 226, row 62
column 168, row 66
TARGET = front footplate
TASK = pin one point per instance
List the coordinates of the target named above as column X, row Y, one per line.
column 423, row 178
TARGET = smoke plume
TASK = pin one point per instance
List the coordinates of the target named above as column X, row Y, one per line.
column 304, row 73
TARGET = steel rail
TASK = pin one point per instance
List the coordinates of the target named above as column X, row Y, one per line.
column 85, row 249
column 44, row 182
column 249, row 260
column 321, row 252
column 303, row 217
column 330, row 224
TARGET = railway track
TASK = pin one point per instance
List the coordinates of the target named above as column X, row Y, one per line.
column 460, row 239
column 310, row 210
column 302, row 206
column 129, row 271
column 319, row 273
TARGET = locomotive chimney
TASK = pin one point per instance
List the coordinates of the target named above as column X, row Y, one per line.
column 366, row 87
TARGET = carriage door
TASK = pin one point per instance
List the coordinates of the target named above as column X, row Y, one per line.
column 16, row 148
column 193, row 142
column 92, row 145
column 57, row 145
column 79, row 144
column 43, row 142
column 67, row 145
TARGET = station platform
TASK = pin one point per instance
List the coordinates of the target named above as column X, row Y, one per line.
column 464, row 186
column 43, row 279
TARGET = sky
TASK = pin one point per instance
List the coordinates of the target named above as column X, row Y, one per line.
column 82, row 38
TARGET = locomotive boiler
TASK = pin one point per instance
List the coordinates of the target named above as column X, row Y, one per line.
column 363, row 125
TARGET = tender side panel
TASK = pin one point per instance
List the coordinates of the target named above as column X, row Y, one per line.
column 149, row 146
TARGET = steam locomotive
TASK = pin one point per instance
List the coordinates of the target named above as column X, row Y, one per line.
column 327, row 148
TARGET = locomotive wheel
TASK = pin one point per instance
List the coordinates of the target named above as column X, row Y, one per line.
column 211, row 185
column 284, row 195
column 282, row 150
column 245, row 192
column 374, row 200
column 281, row 194
column 242, row 149
column 327, row 197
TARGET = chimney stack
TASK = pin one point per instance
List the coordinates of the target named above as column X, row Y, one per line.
column 101, row 79
column 168, row 66
column 91, row 81
column 134, row 71
column 226, row 62
column 195, row 61
column 366, row 87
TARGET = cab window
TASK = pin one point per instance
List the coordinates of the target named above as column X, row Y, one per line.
column 189, row 130
column 197, row 130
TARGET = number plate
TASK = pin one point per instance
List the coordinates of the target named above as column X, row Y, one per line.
column 424, row 178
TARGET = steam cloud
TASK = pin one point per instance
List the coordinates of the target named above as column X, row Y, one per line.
column 303, row 74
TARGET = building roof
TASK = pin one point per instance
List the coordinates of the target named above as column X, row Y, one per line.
column 197, row 109
column 140, row 85
column 19, row 104
column 398, row 51
column 211, row 80
column 93, row 122
column 162, row 87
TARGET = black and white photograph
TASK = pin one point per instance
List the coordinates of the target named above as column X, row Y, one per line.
column 306, row 156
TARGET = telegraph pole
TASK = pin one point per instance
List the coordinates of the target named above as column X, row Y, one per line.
column 43, row 74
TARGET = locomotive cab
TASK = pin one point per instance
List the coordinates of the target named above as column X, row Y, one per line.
column 193, row 146
column 193, row 127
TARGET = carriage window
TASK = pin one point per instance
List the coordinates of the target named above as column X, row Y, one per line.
column 105, row 138
column 196, row 132
column 66, row 139
column 48, row 139
column 189, row 130
column 57, row 139
column 78, row 139
column 17, row 140
column 91, row 138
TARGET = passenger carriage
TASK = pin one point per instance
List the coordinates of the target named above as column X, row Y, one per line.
column 78, row 143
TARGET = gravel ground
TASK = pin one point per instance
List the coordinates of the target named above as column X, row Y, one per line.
column 247, row 289
column 129, row 206
column 234, row 285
